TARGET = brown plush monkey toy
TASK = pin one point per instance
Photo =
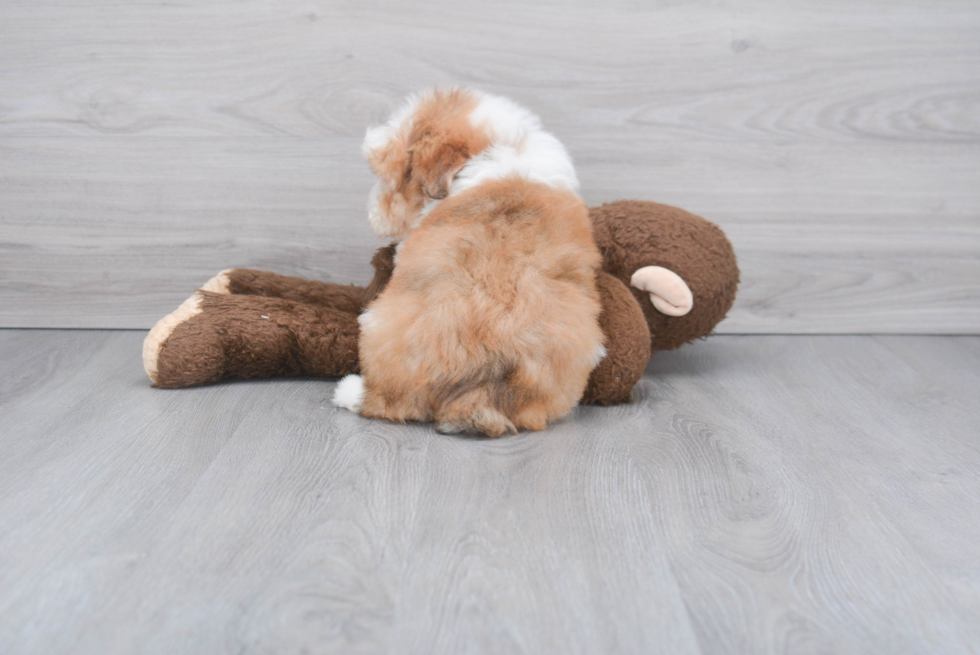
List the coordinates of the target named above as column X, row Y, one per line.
column 668, row 277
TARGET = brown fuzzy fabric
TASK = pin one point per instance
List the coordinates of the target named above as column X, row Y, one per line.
column 632, row 234
column 243, row 336
column 627, row 345
column 342, row 297
column 312, row 326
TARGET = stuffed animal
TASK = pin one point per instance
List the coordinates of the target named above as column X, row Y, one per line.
column 668, row 277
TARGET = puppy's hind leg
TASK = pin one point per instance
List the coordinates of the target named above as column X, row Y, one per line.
column 473, row 413
column 355, row 394
column 533, row 418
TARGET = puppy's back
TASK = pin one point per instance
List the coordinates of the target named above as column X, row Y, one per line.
column 490, row 322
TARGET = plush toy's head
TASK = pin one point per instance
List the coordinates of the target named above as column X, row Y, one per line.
column 634, row 235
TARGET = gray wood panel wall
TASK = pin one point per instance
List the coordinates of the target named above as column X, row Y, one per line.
column 145, row 146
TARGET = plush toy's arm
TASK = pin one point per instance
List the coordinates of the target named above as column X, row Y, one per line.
column 342, row 297
column 249, row 282
column 383, row 262
column 627, row 344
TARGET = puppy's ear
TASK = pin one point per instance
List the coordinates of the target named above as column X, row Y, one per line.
column 386, row 151
column 435, row 164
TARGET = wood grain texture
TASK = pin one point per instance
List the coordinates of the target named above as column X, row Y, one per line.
column 144, row 147
column 774, row 494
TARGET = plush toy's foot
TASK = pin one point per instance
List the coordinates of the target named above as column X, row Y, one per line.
column 153, row 343
column 220, row 283
column 212, row 336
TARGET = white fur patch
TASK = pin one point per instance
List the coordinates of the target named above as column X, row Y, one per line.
column 366, row 320
column 349, row 393
column 378, row 222
column 598, row 355
column 504, row 120
column 539, row 158
column 398, row 249
column 518, row 146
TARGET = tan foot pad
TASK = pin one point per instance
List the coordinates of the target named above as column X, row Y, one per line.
column 219, row 283
column 163, row 329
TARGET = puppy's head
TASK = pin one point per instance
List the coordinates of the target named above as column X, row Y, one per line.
column 416, row 154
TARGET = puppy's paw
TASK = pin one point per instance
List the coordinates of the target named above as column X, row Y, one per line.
column 350, row 393
column 445, row 427
column 487, row 421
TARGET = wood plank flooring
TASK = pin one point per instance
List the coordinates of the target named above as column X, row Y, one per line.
column 146, row 146
column 773, row 494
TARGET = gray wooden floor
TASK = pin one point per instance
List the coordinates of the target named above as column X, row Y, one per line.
column 796, row 494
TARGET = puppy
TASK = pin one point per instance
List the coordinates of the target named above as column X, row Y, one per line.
column 490, row 321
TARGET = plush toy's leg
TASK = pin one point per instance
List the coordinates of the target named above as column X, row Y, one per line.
column 344, row 297
column 214, row 336
column 627, row 345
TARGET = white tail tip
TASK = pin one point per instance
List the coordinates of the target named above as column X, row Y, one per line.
column 349, row 393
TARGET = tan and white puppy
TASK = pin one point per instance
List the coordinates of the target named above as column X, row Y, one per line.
column 490, row 321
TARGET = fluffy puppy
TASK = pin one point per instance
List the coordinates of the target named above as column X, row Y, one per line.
column 490, row 321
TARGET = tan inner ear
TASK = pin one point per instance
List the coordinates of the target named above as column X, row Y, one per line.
column 669, row 293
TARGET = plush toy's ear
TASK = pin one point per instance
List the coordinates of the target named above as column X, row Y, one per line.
column 668, row 292
column 435, row 164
